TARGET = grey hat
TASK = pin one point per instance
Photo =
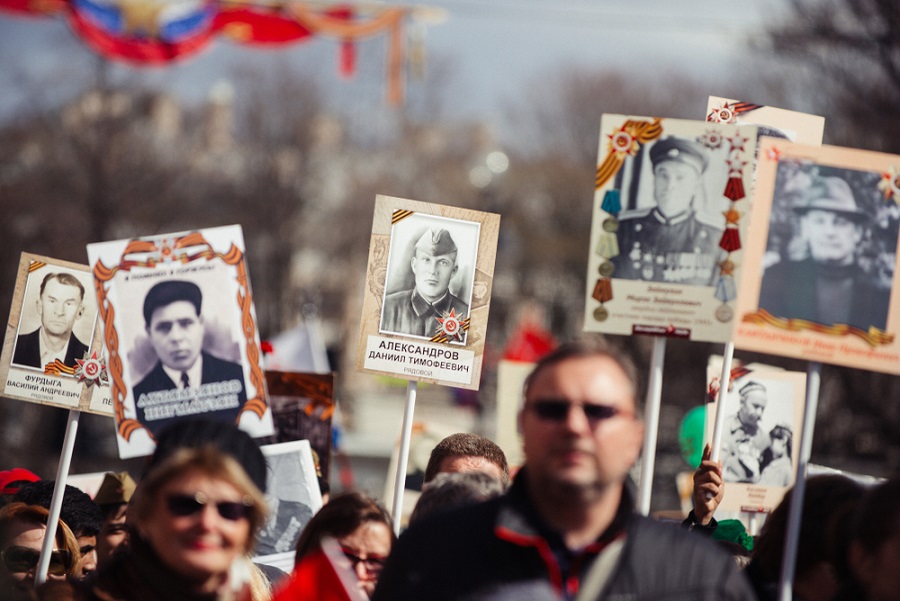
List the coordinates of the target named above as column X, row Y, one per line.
column 436, row 242
column 682, row 150
column 831, row 194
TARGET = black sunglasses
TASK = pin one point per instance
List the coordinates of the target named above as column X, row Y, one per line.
column 22, row 559
column 185, row 505
column 557, row 411
column 373, row 564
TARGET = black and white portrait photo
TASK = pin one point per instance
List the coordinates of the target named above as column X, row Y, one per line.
column 672, row 211
column 57, row 319
column 758, row 435
column 828, row 248
column 184, row 358
column 292, row 495
column 431, row 270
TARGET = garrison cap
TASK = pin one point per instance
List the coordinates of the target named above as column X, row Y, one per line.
column 681, row 150
column 831, row 194
column 116, row 489
column 436, row 242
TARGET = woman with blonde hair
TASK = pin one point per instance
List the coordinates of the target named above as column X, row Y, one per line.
column 192, row 521
column 22, row 531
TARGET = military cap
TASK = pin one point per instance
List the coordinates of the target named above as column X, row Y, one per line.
column 436, row 242
column 831, row 194
column 115, row 489
column 681, row 150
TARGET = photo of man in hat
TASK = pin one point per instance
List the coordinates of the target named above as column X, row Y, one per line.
column 417, row 311
column 672, row 241
column 827, row 286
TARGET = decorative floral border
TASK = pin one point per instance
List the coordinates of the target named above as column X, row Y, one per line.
column 167, row 251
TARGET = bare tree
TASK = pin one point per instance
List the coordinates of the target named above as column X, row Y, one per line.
column 845, row 54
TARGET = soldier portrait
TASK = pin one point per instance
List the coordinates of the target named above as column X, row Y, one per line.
column 430, row 277
column 673, row 234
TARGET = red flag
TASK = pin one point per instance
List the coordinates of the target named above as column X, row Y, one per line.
column 320, row 577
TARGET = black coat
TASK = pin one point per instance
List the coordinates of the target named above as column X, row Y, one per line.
column 790, row 290
column 496, row 550
column 28, row 350
column 214, row 370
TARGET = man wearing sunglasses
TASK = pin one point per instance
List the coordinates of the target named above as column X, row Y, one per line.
column 567, row 525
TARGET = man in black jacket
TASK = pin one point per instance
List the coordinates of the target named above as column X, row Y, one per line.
column 567, row 523
column 828, row 287
column 60, row 304
column 185, row 380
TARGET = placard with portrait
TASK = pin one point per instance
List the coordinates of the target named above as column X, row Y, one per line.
column 53, row 353
column 761, row 435
column 769, row 120
column 428, row 288
column 820, row 264
column 667, row 227
column 180, row 328
column 293, row 497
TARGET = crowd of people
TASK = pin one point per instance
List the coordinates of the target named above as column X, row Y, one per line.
column 564, row 527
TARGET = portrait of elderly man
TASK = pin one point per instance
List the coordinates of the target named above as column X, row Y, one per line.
column 416, row 311
column 828, row 286
column 744, row 442
column 175, row 326
column 59, row 305
column 673, row 241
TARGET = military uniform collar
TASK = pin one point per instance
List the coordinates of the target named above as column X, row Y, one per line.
column 423, row 307
column 674, row 220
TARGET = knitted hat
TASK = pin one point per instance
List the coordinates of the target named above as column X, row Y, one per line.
column 196, row 433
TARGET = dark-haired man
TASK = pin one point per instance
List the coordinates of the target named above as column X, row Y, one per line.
column 464, row 452
column 567, row 523
column 78, row 511
column 185, row 380
column 60, row 304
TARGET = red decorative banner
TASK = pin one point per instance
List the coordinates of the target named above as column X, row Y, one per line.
column 155, row 34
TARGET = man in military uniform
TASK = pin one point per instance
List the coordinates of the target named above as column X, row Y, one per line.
column 416, row 311
column 828, row 287
column 670, row 242
column 743, row 441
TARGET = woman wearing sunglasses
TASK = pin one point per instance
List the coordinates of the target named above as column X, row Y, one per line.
column 192, row 519
column 360, row 526
column 22, row 529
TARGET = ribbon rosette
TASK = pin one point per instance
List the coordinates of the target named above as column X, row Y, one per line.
column 723, row 115
column 92, row 370
column 711, row 139
column 451, row 326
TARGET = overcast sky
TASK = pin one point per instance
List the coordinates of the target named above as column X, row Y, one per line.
column 494, row 48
